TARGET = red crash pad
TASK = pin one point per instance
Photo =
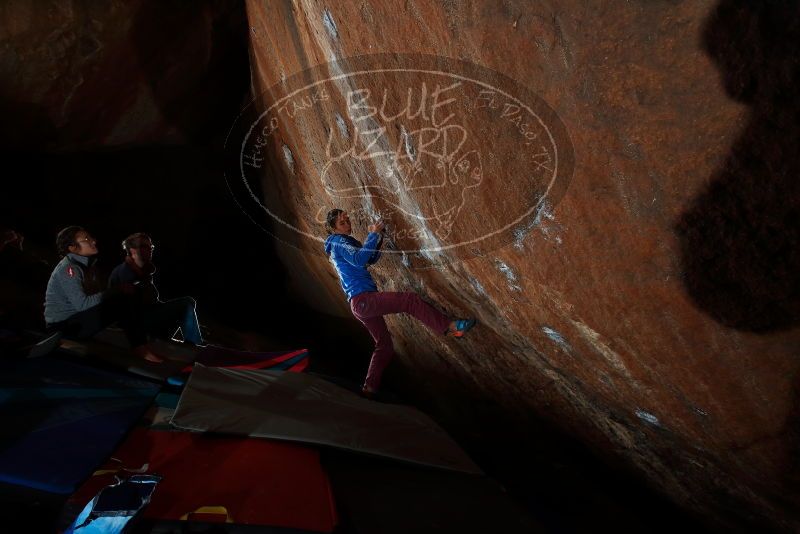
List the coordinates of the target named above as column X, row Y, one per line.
column 257, row 481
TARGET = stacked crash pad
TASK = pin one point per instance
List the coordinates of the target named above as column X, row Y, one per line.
column 110, row 348
column 208, row 479
column 391, row 467
column 206, row 445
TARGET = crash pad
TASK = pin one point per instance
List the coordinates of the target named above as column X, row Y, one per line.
column 304, row 408
column 240, row 480
column 286, row 360
column 110, row 348
column 93, row 351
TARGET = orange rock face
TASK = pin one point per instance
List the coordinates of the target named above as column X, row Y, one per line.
column 590, row 181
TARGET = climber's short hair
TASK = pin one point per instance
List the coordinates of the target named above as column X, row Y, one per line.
column 330, row 219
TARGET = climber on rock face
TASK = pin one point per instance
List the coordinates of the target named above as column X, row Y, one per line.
column 351, row 260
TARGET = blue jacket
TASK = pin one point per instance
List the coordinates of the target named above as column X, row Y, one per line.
column 351, row 259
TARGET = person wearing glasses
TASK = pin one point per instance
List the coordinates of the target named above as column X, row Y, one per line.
column 78, row 305
column 351, row 259
column 160, row 319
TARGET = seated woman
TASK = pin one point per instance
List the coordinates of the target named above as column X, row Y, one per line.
column 75, row 303
column 160, row 319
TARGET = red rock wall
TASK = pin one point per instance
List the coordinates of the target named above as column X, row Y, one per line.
column 626, row 310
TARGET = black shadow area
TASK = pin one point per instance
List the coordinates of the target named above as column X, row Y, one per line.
column 739, row 237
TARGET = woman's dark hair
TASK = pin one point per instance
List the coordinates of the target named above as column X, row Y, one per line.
column 330, row 220
column 134, row 241
column 66, row 239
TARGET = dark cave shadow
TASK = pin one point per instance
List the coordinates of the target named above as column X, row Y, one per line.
column 24, row 124
column 194, row 56
column 790, row 481
column 739, row 237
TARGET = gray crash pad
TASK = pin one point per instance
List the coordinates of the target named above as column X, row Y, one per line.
column 303, row 408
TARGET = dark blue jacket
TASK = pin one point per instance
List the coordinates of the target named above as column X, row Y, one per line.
column 128, row 272
column 351, row 259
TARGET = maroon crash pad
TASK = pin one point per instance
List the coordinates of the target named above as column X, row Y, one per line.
column 257, row 481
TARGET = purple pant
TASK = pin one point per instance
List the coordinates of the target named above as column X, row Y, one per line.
column 370, row 307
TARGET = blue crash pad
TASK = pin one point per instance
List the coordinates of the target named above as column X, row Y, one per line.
column 59, row 420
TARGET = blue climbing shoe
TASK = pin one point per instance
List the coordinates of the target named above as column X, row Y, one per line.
column 462, row 326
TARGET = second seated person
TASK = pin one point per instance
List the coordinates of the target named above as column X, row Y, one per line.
column 160, row 319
